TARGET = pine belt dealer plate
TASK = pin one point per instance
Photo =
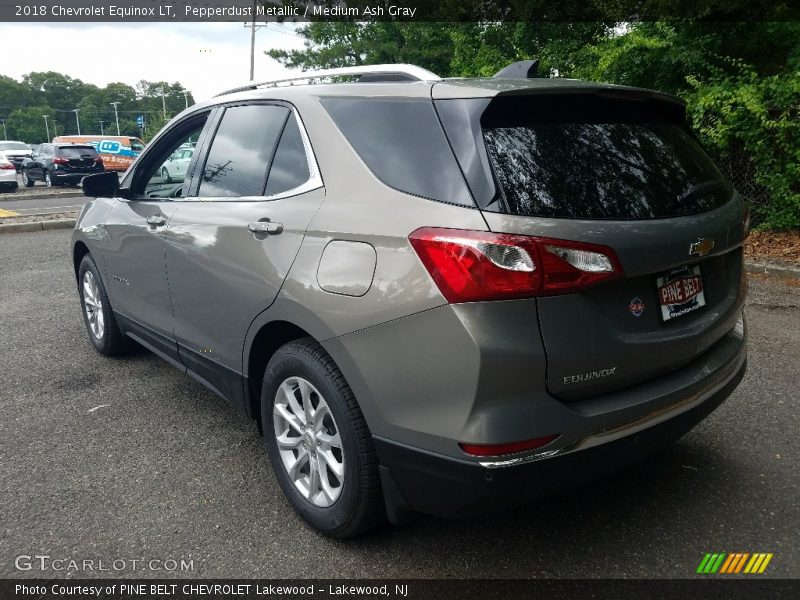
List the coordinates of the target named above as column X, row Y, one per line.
column 680, row 291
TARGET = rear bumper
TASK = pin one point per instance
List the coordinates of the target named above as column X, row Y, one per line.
column 70, row 177
column 416, row 480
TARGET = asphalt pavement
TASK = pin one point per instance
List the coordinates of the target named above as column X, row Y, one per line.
column 126, row 459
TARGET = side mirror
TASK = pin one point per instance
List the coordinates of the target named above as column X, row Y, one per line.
column 103, row 185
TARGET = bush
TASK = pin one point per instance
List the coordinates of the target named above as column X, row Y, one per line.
column 753, row 123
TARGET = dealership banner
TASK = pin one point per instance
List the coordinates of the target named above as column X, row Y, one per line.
column 412, row 589
column 390, row 10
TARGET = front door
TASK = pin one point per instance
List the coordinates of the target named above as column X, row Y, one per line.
column 231, row 244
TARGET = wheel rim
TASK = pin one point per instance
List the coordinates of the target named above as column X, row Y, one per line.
column 308, row 442
column 165, row 175
column 24, row 178
column 92, row 305
column 47, row 180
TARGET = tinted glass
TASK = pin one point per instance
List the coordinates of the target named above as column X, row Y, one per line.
column 402, row 143
column 137, row 146
column 242, row 150
column 76, row 152
column 290, row 167
column 595, row 163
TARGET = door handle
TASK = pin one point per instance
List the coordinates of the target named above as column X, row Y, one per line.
column 267, row 227
column 156, row 220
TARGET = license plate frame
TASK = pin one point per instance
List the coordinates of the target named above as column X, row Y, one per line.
column 680, row 291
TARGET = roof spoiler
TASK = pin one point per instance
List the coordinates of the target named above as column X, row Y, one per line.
column 524, row 69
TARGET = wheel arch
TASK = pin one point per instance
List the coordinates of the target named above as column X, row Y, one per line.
column 79, row 250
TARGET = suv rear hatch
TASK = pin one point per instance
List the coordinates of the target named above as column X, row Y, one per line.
column 78, row 158
column 615, row 168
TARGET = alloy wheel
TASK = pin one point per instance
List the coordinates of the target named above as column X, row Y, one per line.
column 308, row 441
column 93, row 305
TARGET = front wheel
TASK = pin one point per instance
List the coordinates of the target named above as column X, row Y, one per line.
column 98, row 317
column 26, row 180
column 318, row 442
column 165, row 175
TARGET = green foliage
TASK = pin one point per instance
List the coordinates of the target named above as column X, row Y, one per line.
column 24, row 103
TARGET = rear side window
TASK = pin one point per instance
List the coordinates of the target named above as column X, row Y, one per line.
column 76, row 151
column 241, row 151
column 590, row 158
column 290, row 167
column 401, row 141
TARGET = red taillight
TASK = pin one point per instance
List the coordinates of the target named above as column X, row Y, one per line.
column 60, row 161
column 470, row 266
column 512, row 448
column 7, row 166
column 98, row 159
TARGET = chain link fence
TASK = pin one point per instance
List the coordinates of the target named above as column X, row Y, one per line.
column 740, row 171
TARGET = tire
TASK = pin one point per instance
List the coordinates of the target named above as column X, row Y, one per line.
column 48, row 181
column 355, row 505
column 106, row 338
column 165, row 175
column 26, row 180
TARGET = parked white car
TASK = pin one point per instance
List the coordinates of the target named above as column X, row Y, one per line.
column 8, row 176
column 15, row 152
column 174, row 168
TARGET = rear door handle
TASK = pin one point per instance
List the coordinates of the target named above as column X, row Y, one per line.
column 156, row 220
column 268, row 227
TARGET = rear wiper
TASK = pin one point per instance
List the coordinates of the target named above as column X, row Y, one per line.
column 701, row 189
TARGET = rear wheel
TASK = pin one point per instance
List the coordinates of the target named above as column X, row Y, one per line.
column 165, row 175
column 47, row 179
column 318, row 442
column 26, row 180
column 98, row 317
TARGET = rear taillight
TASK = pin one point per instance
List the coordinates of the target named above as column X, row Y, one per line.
column 60, row 161
column 8, row 166
column 502, row 449
column 98, row 159
column 470, row 266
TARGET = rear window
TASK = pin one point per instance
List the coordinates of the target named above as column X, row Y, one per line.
column 76, row 151
column 13, row 146
column 597, row 157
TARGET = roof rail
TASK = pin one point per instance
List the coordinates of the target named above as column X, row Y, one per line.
column 401, row 72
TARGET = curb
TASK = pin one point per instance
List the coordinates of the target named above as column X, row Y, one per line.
column 775, row 269
column 37, row 226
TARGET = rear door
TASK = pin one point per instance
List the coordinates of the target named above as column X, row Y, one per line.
column 231, row 243
column 625, row 173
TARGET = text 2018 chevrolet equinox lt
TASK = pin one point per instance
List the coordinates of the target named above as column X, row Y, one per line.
column 434, row 295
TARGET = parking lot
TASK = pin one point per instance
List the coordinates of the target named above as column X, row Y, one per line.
column 128, row 459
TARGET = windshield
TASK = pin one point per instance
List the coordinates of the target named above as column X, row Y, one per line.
column 14, row 146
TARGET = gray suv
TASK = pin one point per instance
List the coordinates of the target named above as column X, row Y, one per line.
column 443, row 296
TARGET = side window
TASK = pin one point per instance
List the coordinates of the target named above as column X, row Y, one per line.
column 290, row 167
column 137, row 146
column 158, row 177
column 242, row 150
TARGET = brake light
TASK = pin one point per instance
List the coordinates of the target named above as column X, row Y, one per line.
column 470, row 266
column 7, row 166
column 98, row 159
column 502, row 449
column 60, row 161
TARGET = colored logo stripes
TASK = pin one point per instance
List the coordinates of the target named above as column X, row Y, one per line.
column 735, row 562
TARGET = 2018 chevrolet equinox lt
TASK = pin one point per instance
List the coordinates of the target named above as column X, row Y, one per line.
column 433, row 295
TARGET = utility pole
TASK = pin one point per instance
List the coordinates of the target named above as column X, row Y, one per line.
column 163, row 104
column 186, row 98
column 101, row 128
column 47, row 126
column 5, row 135
column 116, row 115
column 253, row 27
column 77, row 119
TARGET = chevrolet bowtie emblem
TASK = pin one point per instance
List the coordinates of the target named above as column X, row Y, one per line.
column 701, row 247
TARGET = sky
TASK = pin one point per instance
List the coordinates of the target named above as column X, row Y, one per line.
column 206, row 58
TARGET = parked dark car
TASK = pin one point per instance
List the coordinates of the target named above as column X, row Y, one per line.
column 61, row 164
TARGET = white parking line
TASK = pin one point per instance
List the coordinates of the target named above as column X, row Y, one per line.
column 46, row 208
